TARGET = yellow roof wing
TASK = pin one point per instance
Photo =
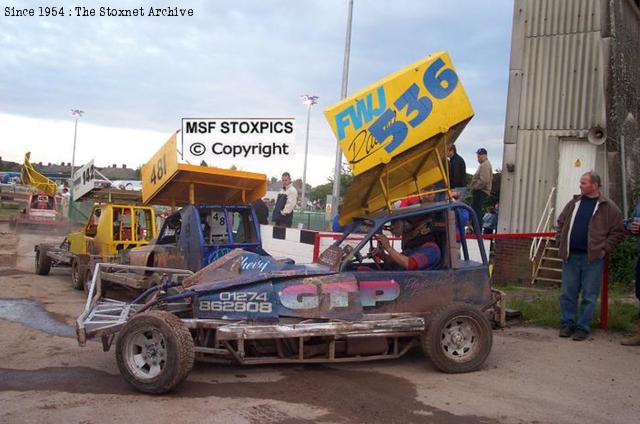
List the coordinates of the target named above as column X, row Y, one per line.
column 30, row 176
column 167, row 182
column 394, row 133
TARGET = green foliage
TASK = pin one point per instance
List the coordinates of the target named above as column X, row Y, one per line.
column 494, row 196
column 623, row 263
column 320, row 192
column 542, row 308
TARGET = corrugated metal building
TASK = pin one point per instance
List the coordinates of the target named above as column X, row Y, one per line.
column 574, row 93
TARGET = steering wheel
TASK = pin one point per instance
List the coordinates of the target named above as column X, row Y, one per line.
column 376, row 259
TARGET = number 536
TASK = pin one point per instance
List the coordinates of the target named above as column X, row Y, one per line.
column 437, row 81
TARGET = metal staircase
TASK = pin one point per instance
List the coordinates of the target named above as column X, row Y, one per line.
column 548, row 265
column 544, row 254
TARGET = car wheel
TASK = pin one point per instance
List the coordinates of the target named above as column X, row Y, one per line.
column 154, row 352
column 43, row 262
column 76, row 276
column 458, row 339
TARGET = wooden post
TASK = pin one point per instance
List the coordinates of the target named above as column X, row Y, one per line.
column 192, row 194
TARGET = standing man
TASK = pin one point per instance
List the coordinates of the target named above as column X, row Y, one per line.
column 66, row 200
column 481, row 182
column 457, row 173
column 589, row 228
column 287, row 198
column 633, row 225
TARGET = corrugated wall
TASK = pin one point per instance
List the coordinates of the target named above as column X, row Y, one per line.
column 556, row 89
column 624, row 100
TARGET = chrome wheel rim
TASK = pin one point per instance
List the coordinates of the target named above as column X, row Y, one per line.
column 460, row 338
column 146, row 354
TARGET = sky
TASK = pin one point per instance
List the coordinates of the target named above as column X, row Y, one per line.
column 136, row 77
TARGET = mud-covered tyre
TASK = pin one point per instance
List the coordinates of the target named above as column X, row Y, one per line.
column 77, row 276
column 458, row 339
column 43, row 262
column 154, row 352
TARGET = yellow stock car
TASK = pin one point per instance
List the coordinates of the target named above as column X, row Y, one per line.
column 110, row 229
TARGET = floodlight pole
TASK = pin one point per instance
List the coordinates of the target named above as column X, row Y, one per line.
column 77, row 114
column 343, row 94
column 309, row 101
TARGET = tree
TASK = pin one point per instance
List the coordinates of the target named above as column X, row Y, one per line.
column 321, row 192
column 494, row 196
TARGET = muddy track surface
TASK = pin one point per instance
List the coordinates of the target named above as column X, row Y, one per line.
column 531, row 376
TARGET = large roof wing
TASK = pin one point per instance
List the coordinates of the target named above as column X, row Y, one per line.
column 165, row 181
column 396, row 132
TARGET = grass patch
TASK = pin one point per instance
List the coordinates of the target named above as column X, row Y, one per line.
column 7, row 213
column 541, row 307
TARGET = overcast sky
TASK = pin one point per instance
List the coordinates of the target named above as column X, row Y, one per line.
column 137, row 77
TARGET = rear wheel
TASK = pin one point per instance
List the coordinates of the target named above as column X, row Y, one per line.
column 154, row 352
column 43, row 262
column 76, row 275
column 458, row 339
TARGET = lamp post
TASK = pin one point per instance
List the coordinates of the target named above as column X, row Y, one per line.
column 343, row 94
column 77, row 114
column 309, row 101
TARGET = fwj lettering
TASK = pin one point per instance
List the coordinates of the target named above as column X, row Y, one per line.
column 410, row 110
column 363, row 112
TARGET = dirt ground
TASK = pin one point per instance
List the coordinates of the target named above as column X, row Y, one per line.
column 531, row 376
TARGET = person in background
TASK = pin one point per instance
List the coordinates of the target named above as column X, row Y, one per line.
column 335, row 225
column 457, row 172
column 286, row 201
column 633, row 226
column 262, row 211
column 66, row 201
column 481, row 182
column 490, row 221
column 589, row 227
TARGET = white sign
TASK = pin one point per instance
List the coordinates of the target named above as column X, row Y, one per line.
column 211, row 139
column 84, row 180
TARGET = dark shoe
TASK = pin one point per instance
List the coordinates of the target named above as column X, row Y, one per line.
column 631, row 341
column 565, row 332
column 580, row 335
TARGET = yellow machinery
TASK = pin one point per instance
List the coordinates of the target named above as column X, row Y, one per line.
column 396, row 132
column 31, row 177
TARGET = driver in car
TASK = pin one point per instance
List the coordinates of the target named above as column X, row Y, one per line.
column 419, row 248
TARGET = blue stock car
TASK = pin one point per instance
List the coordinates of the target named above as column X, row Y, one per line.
column 249, row 308
column 190, row 239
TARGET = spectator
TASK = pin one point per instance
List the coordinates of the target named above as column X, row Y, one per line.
column 481, row 182
column 66, row 200
column 457, row 173
column 490, row 221
column 283, row 211
column 633, row 225
column 335, row 225
column 262, row 211
column 588, row 228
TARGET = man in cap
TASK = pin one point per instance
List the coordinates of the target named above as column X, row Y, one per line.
column 481, row 182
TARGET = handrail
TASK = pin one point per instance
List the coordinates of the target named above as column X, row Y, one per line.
column 543, row 225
